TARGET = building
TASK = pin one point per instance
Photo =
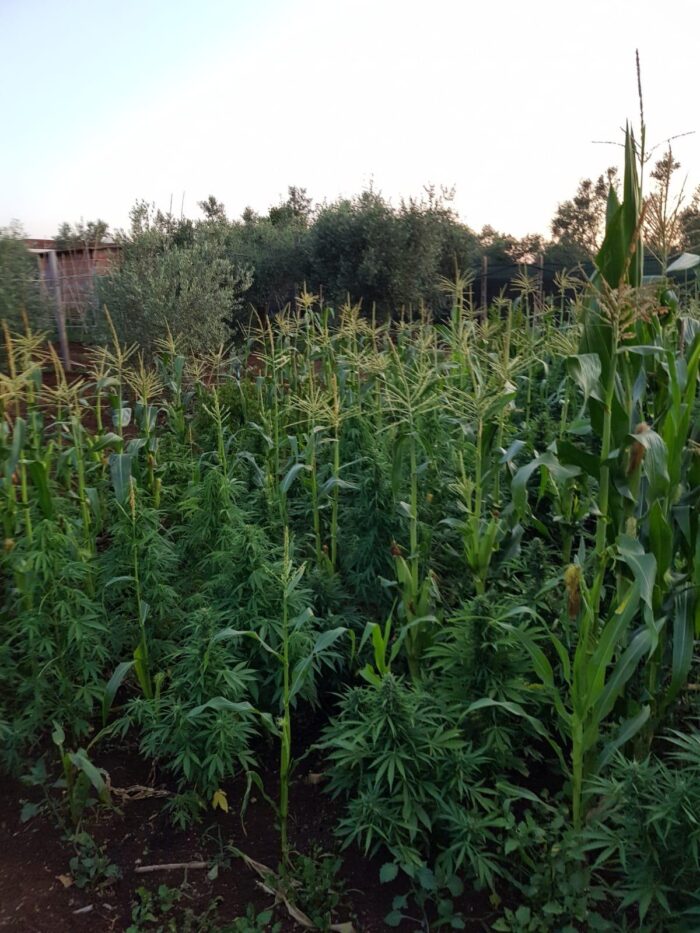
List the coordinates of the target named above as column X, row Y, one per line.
column 69, row 273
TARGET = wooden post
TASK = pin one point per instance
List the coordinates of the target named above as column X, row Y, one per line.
column 484, row 286
column 58, row 309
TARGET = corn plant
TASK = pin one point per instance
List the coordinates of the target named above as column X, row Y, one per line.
column 294, row 677
column 411, row 397
column 79, row 776
column 611, row 370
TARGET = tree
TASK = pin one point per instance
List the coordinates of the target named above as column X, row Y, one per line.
column 663, row 216
column 506, row 251
column 690, row 224
column 353, row 249
column 81, row 235
column 276, row 256
column 174, row 274
column 436, row 247
column 391, row 258
column 20, row 289
column 580, row 223
column 212, row 209
column 297, row 209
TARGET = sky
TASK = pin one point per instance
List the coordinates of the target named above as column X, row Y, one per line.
column 169, row 101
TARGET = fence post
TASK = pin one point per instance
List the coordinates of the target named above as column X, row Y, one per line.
column 59, row 314
column 484, row 286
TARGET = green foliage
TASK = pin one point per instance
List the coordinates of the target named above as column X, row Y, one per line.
column 467, row 551
column 409, row 776
column 432, row 897
column 80, row 777
column 254, row 921
column 90, row 867
column 556, row 884
column 633, row 505
column 645, row 835
column 317, row 890
column 81, row 235
column 20, row 291
column 388, row 257
column 173, row 276
column 160, row 911
column 54, row 660
column 580, row 222
column 478, row 664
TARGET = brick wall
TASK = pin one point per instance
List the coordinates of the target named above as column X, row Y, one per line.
column 77, row 271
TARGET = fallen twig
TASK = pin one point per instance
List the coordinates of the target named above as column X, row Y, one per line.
column 137, row 792
column 169, row 866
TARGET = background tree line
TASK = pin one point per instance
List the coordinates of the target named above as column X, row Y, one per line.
column 204, row 277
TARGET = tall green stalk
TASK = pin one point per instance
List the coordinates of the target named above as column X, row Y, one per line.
column 603, row 518
column 142, row 652
column 286, row 720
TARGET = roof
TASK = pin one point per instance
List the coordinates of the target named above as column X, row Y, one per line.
column 39, row 245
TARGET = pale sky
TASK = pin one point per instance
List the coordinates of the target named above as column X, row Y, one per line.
column 172, row 100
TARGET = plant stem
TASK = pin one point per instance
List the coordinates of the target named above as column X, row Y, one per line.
column 286, row 725
column 413, row 529
column 604, row 487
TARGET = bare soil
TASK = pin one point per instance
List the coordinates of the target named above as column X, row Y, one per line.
column 37, row 896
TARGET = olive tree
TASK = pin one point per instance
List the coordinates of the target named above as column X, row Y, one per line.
column 174, row 274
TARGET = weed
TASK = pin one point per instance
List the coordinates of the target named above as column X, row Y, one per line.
column 90, row 866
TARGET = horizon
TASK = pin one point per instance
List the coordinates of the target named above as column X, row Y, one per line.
column 241, row 100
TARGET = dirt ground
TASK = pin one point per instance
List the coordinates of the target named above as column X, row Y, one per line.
column 36, row 893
